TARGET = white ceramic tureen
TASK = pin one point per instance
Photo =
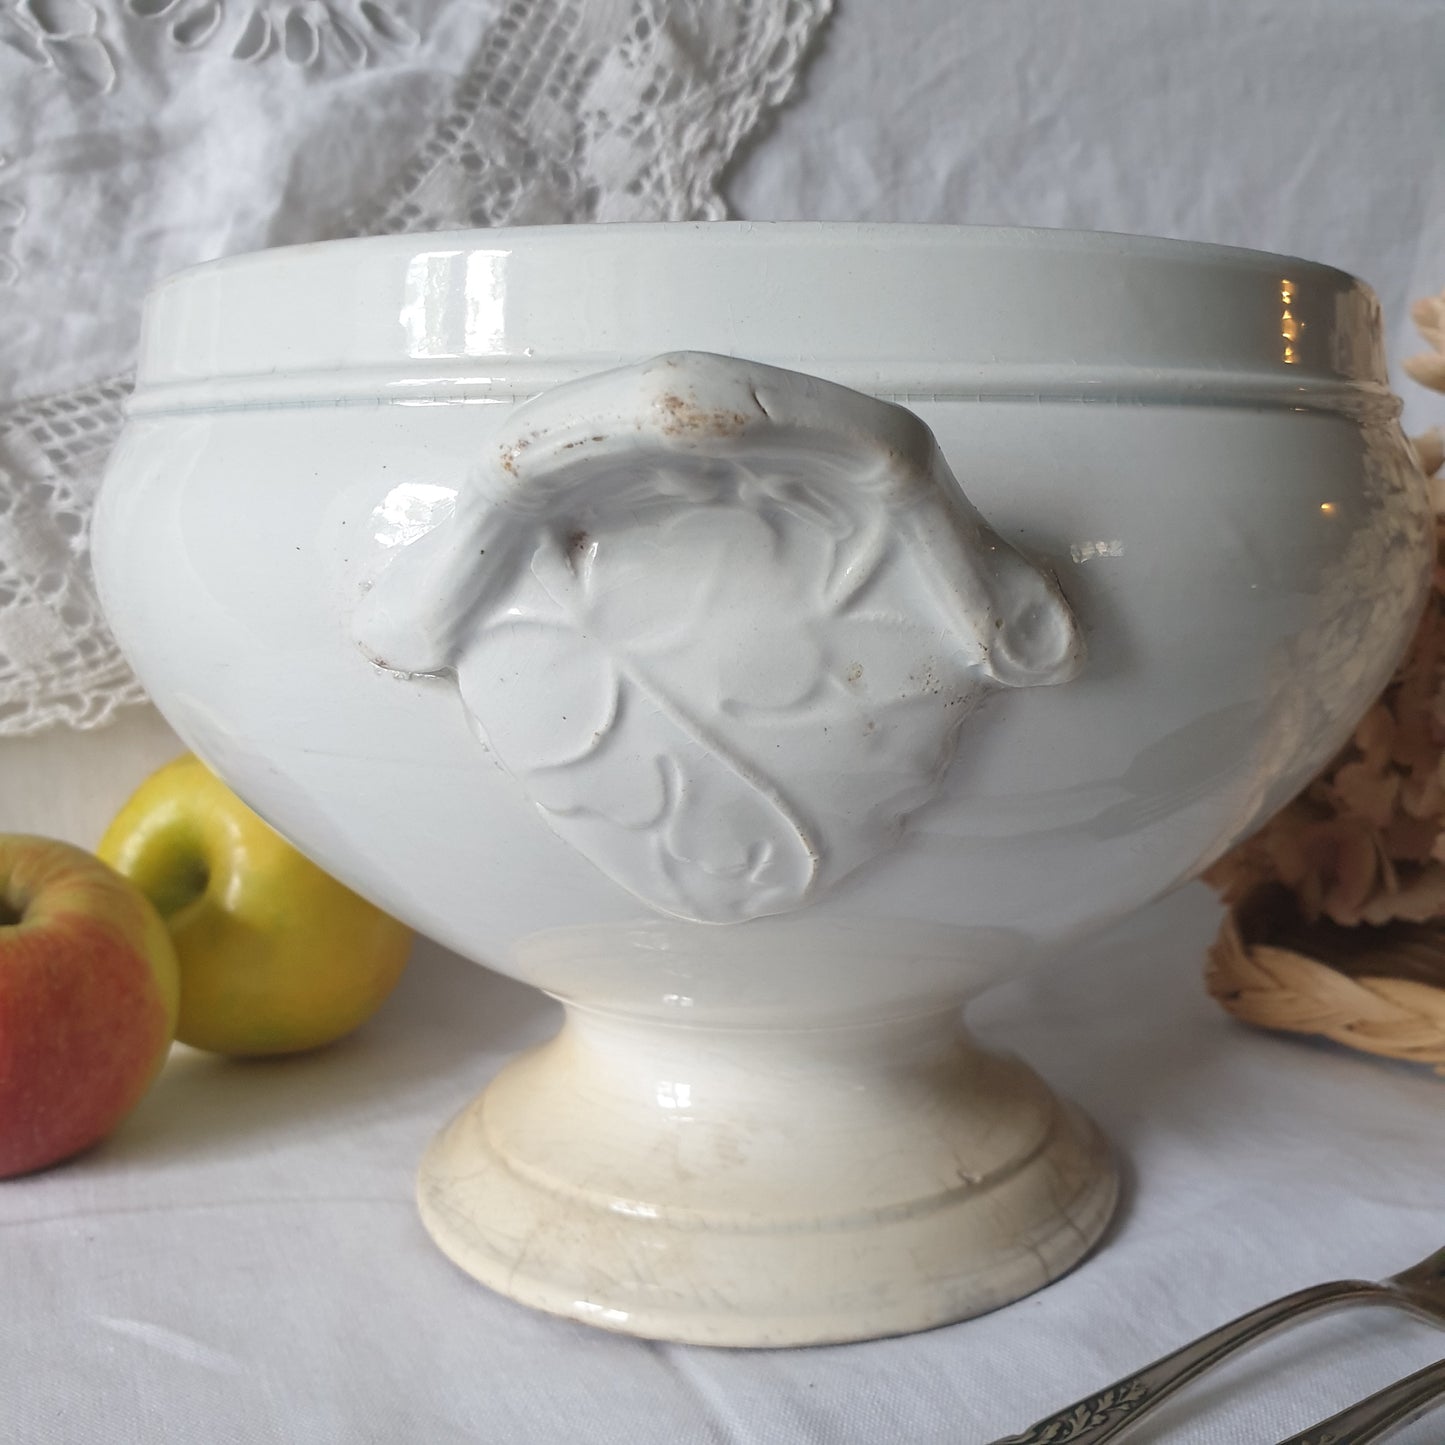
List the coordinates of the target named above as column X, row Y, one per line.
column 763, row 638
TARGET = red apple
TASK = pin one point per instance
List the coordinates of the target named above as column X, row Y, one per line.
column 88, row 996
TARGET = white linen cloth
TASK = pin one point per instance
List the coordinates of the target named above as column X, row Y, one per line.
column 139, row 136
column 243, row 1263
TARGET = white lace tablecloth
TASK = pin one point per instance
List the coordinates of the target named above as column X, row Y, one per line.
column 242, row 1262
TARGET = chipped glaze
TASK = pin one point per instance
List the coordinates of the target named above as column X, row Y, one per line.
column 605, row 602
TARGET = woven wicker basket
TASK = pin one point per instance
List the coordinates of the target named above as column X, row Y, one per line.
column 1380, row 989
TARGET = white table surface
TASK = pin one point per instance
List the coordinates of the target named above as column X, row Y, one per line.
column 242, row 1261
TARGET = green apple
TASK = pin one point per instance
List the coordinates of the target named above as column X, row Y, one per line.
column 275, row 954
column 88, row 997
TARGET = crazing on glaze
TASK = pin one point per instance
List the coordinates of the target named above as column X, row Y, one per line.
column 722, row 622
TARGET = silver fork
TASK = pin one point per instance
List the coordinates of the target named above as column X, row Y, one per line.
column 1419, row 1290
column 1375, row 1417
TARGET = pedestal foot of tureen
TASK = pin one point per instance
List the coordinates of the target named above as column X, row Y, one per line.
column 766, row 1186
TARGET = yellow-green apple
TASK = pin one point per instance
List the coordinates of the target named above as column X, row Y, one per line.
column 88, row 992
column 275, row 955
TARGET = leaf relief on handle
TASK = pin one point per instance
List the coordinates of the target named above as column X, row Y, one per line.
column 720, row 621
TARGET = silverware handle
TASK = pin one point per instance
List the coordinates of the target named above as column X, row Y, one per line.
column 1377, row 1416
column 1108, row 1413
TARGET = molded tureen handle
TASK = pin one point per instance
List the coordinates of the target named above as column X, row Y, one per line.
column 721, row 620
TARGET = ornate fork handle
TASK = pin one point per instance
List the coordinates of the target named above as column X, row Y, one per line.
column 1374, row 1418
column 1107, row 1414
